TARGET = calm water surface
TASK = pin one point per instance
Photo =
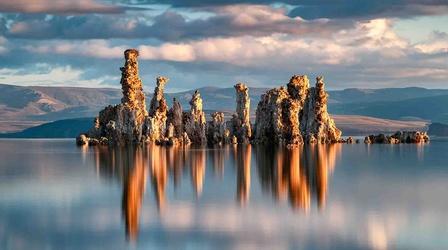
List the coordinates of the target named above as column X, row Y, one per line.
column 54, row 195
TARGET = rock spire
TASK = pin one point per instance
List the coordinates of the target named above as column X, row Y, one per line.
column 131, row 85
column 156, row 122
column 295, row 114
column 241, row 127
column 194, row 121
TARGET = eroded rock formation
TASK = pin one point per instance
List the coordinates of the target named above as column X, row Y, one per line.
column 240, row 123
column 287, row 115
column 295, row 114
column 398, row 137
column 156, row 121
column 122, row 123
column 194, row 121
column 216, row 129
column 315, row 120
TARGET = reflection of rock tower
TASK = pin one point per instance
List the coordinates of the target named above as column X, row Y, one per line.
column 297, row 173
column 133, row 96
column 159, row 175
column 244, row 155
column 197, row 170
column 299, row 189
column 134, row 188
column 321, row 161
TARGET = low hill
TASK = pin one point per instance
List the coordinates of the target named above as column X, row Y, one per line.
column 364, row 125
column 356, row 95
column 69, row 128
column 434, row 108
column 438, row 129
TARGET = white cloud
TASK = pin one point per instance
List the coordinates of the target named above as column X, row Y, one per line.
column 369, row 53
column 436, row 43
column 55, row 76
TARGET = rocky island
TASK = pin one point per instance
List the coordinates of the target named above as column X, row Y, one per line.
column 398, row 137
column 289, row 115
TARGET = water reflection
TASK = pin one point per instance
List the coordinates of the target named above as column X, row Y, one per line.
column 298, row 175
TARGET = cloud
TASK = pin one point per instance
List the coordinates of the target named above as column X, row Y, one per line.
column 370, row 54
column 237, row 20
column 57, row 6
column 368, row 37
column 346, row 9
column 50, row 77
column 437, row 43
column 335, row 9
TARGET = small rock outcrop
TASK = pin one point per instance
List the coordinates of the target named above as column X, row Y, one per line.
column 194, row 121
column 240, row 123
column 295, row 114
column 398, row 137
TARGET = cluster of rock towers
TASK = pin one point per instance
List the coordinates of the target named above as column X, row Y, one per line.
column 290, row 115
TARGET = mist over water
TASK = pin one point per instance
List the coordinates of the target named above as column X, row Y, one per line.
column 54, row 195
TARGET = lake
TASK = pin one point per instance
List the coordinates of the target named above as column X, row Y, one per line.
column 55, row 195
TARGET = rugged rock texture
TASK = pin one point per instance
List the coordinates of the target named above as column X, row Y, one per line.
column 240, row 123
column 194, row 121
column 286, row 115
column 155, row 125
column 290, row 115
column 315, row 120
column 175, row 118
column 398, row 137
column 133, row 95
column 216, row 129
column 123, row 123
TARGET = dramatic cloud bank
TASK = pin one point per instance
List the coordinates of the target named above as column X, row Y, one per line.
column 199, row 43
column 57, row 6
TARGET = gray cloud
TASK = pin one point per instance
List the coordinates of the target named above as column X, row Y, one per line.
column 170, row 25
column 58, row 6
column 344, row 9
column 313, row 9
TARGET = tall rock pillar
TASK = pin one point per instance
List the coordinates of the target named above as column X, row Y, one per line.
column 241, row 126
column 131, row 85
column 194, row 121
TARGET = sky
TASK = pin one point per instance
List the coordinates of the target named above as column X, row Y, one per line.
column 197, row 43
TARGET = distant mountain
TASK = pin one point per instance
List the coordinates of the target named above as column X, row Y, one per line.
column 355, row 95
column 434, row 108
column 364, row 125
column 350, row 125
column 22, row 107
column 69, row 128
column 51, row 103
column 438, row 129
